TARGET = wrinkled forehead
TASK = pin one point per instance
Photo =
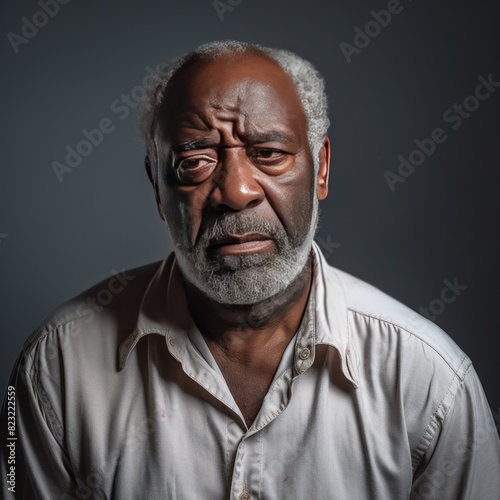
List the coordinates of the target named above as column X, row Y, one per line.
column 251, row 86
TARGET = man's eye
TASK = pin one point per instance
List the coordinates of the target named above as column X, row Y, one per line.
column 192, row 163
column 269, row 156
column 195, row 169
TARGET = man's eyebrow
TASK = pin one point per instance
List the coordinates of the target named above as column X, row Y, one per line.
column 192, row 145
column 251, row 137
column 271, row 136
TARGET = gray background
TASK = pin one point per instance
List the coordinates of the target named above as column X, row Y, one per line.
column 441, row 223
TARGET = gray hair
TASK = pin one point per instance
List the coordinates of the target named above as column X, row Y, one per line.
column 308, row 81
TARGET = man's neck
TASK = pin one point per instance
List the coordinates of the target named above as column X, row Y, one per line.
column 247, row 332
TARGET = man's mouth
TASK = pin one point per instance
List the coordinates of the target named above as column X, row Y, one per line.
column 241, row 244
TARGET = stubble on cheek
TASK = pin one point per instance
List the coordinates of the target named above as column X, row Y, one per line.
column 295, row 210
column 182, row 224
column 185, row 207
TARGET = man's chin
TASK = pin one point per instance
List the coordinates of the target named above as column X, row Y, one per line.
column 236, row 280
column 227, row 264
column 243, row 278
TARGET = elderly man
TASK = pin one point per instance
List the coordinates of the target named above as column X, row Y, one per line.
column 244, row 366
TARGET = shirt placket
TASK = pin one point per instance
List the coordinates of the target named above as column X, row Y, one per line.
column 248, row 465
column 242, row 443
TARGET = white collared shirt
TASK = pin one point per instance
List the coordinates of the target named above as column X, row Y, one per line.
column 125, row 401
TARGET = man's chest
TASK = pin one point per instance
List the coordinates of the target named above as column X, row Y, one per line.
column 248, row 391
column 309, row 439
column 248, row 383
column 177, row 425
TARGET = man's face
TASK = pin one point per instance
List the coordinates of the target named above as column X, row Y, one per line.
column 236, row 178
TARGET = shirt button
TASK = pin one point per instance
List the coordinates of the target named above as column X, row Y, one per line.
column 245, row 496
column 305, row 353
column 171, row 341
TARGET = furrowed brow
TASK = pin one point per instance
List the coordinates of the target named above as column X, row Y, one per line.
column 251, row 138
column 272, row 136
column 193, row 145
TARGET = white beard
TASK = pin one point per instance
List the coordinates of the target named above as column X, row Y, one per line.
column 244, row 279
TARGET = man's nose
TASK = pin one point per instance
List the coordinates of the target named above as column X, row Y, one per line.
column 235, row 185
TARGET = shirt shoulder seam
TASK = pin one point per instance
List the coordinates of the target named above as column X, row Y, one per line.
column 414, row 334
column 32, row 376
column 50, row 416
column 438, row 417
column 45, row 330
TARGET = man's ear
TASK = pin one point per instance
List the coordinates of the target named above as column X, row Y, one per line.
column 323, row 170
column 153, row 180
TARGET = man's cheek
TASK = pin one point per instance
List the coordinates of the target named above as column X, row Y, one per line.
column 184, row 215
column 291, row 199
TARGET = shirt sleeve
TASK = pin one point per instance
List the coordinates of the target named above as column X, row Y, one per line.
column 463, row 459
column 32, row 448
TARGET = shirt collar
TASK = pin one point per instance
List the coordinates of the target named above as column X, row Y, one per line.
column 164, row 311
column 332, row 326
